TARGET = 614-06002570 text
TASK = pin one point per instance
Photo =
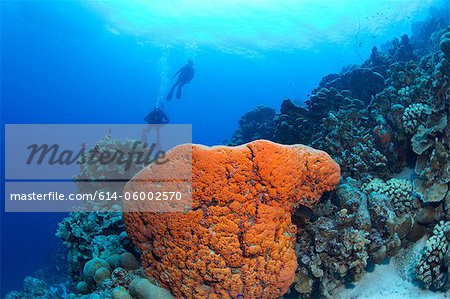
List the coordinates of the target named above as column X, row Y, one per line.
column 97, row 196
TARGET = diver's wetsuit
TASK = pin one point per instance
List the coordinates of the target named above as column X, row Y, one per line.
column 157, row 117
column 185, row 75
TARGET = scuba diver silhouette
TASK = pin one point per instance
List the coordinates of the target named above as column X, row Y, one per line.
column 155, row 119
column 157, row 116
column 185, row 75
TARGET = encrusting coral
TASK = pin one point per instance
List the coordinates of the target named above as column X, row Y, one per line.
column 238, row 240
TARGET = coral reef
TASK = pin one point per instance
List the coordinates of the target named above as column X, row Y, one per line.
column 402, row 50
column 363, row 82
column 89, row 235
column 256, row 124
column 238, row 239
column 102, row 259
column 398, row 118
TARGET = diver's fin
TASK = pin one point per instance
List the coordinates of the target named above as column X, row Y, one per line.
column 170, row 94
column 179, row 91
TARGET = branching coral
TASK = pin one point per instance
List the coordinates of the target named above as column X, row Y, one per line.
column 238, row 239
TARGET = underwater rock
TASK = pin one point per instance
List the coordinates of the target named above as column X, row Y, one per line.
column 431, row 269
column 120, row 293
column 141, row 288
column 238, row 239
column 128, row 261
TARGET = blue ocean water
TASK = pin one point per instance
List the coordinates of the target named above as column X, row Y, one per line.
column 112, row 61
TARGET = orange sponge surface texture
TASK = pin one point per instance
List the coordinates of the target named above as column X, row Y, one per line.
column 238, row 239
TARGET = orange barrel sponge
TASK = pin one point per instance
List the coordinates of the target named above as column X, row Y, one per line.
column 238, row 239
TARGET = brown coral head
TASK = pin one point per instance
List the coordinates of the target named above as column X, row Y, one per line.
column 238, row 238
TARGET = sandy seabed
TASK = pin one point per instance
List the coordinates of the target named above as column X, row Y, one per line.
column 389, row 281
